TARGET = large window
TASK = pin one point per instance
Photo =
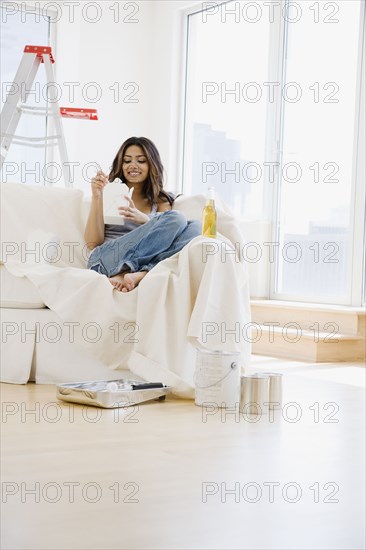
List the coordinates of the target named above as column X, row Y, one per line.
column 225, row 117
column 20, row 27
column 316, row 184
column 272, row 110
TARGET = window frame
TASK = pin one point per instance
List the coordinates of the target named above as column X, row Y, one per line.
column 358, row 207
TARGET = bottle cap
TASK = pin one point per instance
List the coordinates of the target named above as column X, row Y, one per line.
column 211, row 192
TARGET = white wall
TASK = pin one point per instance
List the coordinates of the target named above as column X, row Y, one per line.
column 105, row 52
column 146, row 53
column 168, row 93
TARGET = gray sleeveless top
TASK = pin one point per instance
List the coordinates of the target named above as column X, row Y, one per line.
column 112, row 231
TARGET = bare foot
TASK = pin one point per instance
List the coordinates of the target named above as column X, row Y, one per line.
column 125, row 282
column 117, row 281
column 131, row 280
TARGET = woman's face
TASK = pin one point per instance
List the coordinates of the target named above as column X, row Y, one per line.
column 135, row 166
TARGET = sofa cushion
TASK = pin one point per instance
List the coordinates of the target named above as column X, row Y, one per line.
column 18, row 292
column 57, row 212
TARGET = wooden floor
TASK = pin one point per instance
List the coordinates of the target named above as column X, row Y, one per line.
column 170, row 476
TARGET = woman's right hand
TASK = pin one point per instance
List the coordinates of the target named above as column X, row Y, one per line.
column 98, row 183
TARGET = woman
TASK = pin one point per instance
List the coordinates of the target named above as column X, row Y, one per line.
column 152, row 230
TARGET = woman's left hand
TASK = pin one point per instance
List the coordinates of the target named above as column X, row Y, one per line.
column 132, row 213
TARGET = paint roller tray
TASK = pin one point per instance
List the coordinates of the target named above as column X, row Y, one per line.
column 110, row 394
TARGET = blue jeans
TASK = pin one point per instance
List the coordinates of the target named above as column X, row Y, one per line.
column 141, row 249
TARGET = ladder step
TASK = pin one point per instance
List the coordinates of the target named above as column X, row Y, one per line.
column 74, row 112
column 47, row 141
column 38, row 111
column 40, row 51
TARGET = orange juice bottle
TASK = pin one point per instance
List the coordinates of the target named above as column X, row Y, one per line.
column 209, row 215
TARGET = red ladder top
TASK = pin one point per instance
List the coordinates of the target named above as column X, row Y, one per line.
column 40, row 51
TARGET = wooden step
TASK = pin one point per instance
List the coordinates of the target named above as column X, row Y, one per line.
column 307, row 345
column 308, row 332
column 315, row 317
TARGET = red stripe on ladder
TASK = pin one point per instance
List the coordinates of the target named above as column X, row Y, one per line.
column 73, row 112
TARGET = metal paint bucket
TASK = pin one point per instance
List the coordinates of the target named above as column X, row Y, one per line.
column 217, row 378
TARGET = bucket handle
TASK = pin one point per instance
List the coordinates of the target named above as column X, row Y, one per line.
column 232, row 367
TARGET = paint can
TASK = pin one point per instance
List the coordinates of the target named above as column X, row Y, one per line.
column 217, row 378
column 254, row 394
column 275, row 389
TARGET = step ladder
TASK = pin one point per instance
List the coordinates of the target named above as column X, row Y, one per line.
column 15, row 106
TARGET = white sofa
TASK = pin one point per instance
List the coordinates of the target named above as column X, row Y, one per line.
column 52, row 307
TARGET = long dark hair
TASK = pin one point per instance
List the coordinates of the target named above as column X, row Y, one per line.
column 153, row 187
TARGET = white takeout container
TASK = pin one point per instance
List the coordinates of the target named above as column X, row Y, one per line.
column 115, row 194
